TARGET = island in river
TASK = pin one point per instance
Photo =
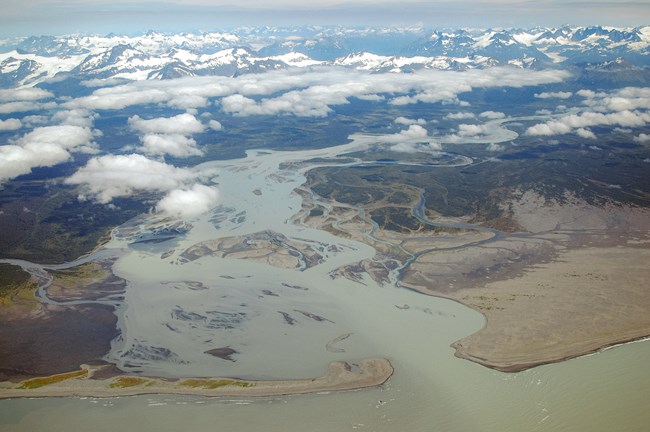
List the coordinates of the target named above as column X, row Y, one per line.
column 530, row 269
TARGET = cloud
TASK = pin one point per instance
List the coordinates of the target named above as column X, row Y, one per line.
column 44, row 147
column 24, row 94
column 626, row 99
column 571, row 123
column 414, row 139
column 215, row 125
column 553, row 95
column 411, row 147
column 460, row 116
column 10, row 124
column 68, row 137
column 309, row 91
column 172, row 144
column 414, row 133
column 75, row 117
column 489, row 132
column 642, row 138
column 182, row 124
column 585, row 93
column 22, row 106
column 408, row 121
column 189, row 203
column 111, row 176
column 473, row 131
column 16, row 160
column 107, row 177
column 24, row 99
column 168, row 135
column 493, row 115
column 585, row 133
column 494, row 147
column 34, row 120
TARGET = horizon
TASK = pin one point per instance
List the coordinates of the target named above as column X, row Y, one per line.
column 131, row 17
column 316, row 28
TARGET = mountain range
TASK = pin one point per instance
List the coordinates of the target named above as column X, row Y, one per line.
column 154, row 55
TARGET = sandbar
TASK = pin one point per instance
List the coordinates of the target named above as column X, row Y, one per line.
column 340, row 376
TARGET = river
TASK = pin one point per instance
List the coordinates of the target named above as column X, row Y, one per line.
column 186, row 308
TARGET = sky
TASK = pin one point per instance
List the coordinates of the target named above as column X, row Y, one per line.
column 38, row 17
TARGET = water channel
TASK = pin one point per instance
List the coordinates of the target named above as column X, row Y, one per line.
column 430, row 391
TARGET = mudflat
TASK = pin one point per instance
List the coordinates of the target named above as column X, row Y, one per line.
column 583, row 301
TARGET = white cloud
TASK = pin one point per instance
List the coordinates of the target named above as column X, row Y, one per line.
column 172, row 144
column 44, row 146
column 75, row 117
column 111, row 176
column 408, row 121
column 168, row 135
column 106, row 177
column 24, row 94
column 68, row 137
column 626, row 99
column 571, row 123
column 460, row 116
column 34, row 120
column 494, row 147
column 493, row 115
column 189, row 203
column 215, row 125
column 16, row 160
column 553, row 95
column 642, row 138
column 414, row 139
column 414, row 133
column 10, row 124
column 585, row 133
column 585, row 93
column 472, row 130
column 182, row 124
column 411, row 147
column 309, row 92
column 22, row 106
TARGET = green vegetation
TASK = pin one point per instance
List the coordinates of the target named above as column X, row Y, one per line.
column 215, row 383
column 16, row 285
column 81, row 273
column 47, row 223
column 124, row 382
column 52, row 379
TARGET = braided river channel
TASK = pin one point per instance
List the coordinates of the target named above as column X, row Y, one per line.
column 291, row 323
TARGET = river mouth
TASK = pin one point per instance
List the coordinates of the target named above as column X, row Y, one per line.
column 286, row 320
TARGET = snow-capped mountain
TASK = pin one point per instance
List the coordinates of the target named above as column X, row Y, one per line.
column 154, row 55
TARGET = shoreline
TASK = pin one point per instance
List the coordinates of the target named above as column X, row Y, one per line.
column 585, row 301
column 512, row 367
column 340, row 376
column 522, row 366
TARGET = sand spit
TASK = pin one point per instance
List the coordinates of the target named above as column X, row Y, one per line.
column 585, row 300
column 340, row 376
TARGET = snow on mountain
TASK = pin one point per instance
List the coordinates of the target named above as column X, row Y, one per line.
column 28, row 69
column 154, row 55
